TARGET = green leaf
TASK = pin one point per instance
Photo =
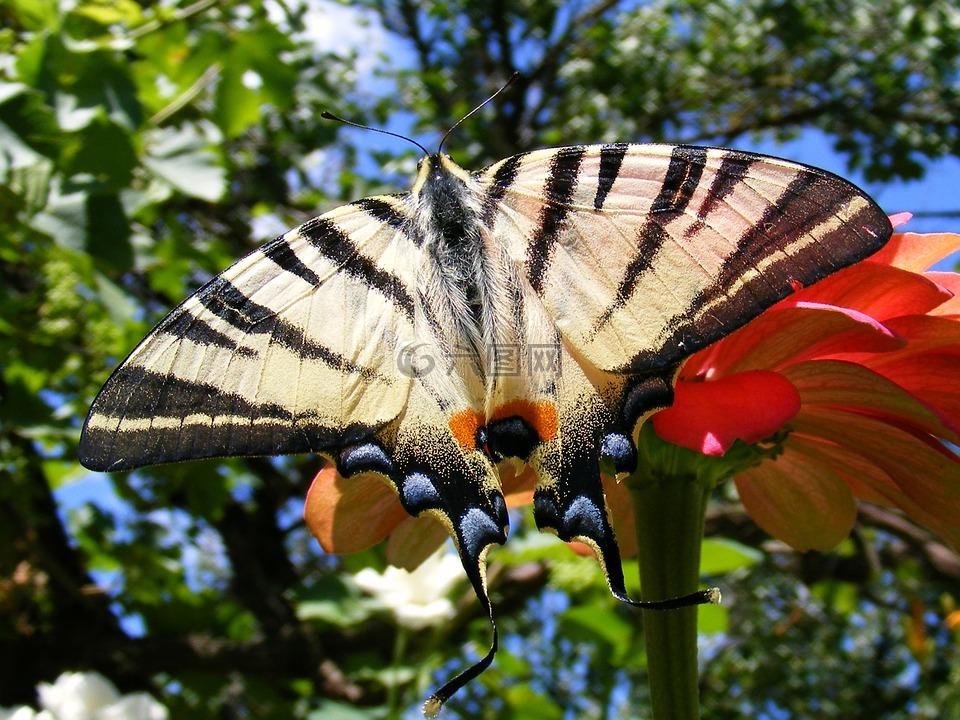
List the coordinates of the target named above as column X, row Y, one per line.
column 36, row 14
column 720, row 556
column 104, row 151
column 239, row 104
column 64, row 219
column 117, row 304
column 531, row 705
column 182, row 158
column 88, row 221
column 110, row 12
column 20, row 405
column 108, row 231
column 712, row 619
column 31, row 184
column 28, row 127
column 599, row 622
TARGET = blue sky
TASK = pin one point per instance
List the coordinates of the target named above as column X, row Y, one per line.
column 337, row 28
column 936, row 192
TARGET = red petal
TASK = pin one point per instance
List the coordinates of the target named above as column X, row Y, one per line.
column 879, row 291
column 581, row 548
column 798, row 499
column 915, row 251
column 923, row 334
column 791, row 334
column 901, row 218
column 414, row 540
column 862, row 476
column 351, row 514
column 933, row 378
column 620, row 506
column 835, row 383
column 950, row 281
column 517, row 489
column 710, row 416
column 924, row 476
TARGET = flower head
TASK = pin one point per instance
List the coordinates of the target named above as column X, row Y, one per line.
column 417, row 599
column 860, row 376
column 87, row 696
column 77, row 695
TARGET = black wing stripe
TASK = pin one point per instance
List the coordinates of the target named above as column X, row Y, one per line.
column 810, row 200
column 734, row 167
column 186, row 326
column 797, row 211
column 611, row 158
column 284, row 257
column 228, row 303
column 558, row 192
column 143, row 393
column 384, row 212
column 503, row 179
column 680, row 182
column 136, row 394
column 331, row 242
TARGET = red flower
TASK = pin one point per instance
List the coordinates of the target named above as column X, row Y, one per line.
column 860, row 375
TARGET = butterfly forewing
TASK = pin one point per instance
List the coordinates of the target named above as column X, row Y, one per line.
column 292, row 349
column 644, row 254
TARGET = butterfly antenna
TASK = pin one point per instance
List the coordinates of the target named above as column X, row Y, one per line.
column 330, row 116
column 457, row 124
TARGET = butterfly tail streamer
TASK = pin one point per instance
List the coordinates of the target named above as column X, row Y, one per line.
column 473, row 550
column 434, row 704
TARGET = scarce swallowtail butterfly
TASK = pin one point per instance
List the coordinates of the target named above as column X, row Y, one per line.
column 537, row 309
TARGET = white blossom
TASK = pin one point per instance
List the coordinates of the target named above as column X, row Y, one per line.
column 77, row 695
column 136, row 706
column 87, row 696
column 24, row 712
column 417, row 599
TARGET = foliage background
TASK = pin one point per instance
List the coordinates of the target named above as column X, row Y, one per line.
column 144, row 146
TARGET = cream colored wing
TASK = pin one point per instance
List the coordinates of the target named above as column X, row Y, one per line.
column 644, row 254
column 292, row 349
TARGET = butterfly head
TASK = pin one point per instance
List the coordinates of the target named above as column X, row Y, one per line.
column 436, row 170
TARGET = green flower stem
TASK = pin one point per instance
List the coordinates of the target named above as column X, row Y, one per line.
column 394, row 708
column 669, row 511
column 670, row 490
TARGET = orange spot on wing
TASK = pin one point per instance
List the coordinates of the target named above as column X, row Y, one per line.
column 464, row 426
column 541, row 414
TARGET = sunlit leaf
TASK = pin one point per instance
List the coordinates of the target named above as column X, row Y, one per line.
column 184, row 159
column 719, row 556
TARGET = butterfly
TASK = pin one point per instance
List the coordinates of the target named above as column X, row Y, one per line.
column 537, row 309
